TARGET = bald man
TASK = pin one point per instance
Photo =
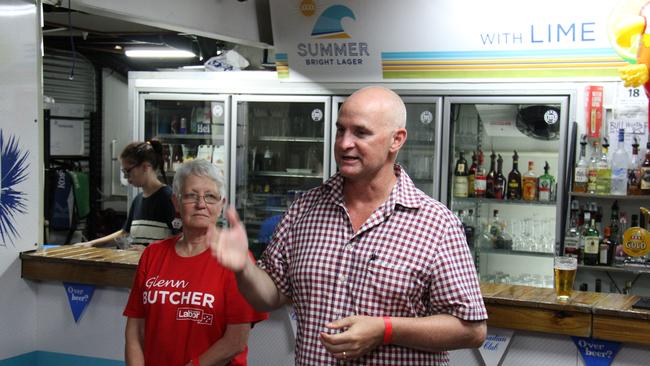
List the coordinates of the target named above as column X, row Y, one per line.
column 378, row 272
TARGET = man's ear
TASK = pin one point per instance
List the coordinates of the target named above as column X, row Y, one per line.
column 399, row 138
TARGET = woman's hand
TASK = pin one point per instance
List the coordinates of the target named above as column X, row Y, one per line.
column 230, row 245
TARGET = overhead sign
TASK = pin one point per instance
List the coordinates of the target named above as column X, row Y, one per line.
column 372, row 40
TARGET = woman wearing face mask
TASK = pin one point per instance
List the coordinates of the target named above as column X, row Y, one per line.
column 152, row 212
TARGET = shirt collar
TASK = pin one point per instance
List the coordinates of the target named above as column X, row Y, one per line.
column 404, row 193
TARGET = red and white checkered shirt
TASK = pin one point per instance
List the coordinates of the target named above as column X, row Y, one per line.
column 409, row 259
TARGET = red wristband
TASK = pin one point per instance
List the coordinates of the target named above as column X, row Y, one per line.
column 195, row 361
column 388, row 330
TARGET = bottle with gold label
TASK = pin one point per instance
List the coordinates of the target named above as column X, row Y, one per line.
column 480, row 176
column 471, row 175
column 592, row 169
column 604, row 171
column 529, row 183
column 460, row 176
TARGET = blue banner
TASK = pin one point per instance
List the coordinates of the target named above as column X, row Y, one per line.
column 596, row 352
column 78, row 296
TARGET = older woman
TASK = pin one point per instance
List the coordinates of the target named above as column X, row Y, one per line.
column 184, row 307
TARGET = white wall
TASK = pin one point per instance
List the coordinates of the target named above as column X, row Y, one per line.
column 116, row 127
column 20, row 118
column 99, row 332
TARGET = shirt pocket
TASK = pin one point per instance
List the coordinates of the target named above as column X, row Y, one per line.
column 388, row 289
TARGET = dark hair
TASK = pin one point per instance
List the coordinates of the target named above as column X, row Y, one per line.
column 146, row 152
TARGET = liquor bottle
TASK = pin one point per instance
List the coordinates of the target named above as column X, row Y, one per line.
column 572, row 236
column 471, row 175
column 267, row 159
column 614, row 220
column 586, row 219
column 183, row 126
column 620, row 163
column 645, row 172
column 513, row 190
column 529, row 183
column 545, row 184
column 491, row 177
column 500, row 180
column 480, row 177
column 604, row 167
column 619, row 253
column 591, row 240
column 592, row 170
column 582, row 169
column 460, row 176
column 468, row 226
column 495, row 225
column 634, row 171
column 604, row 252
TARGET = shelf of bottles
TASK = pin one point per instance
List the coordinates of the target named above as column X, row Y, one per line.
column 280, row 150
column 509, row 213
column 188, row 129
column 608, row 184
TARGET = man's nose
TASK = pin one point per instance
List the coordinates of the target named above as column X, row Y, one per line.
column 345, row 140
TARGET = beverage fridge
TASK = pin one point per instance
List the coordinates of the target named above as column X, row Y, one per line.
column 282, row 149
column 420, row 155
column 505, row 163
column 189, row 126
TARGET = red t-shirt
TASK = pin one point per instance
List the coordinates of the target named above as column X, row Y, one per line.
column 186, row 302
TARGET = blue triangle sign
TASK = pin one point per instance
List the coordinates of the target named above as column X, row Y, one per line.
column 79, row 297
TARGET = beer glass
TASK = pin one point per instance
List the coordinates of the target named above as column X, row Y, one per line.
column 564, row 269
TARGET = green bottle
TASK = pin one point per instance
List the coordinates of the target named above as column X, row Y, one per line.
column 546, row 185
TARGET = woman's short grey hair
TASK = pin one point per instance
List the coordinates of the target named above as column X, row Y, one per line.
column 200, row 168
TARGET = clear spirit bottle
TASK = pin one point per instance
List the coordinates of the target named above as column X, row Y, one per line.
column 620, row 164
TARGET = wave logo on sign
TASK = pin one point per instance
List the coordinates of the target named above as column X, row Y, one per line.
column 328, row 25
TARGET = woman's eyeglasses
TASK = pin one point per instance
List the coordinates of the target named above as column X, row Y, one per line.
column 126, row 172
column 209, row 198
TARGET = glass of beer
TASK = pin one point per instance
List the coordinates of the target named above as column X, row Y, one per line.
column 565, row 269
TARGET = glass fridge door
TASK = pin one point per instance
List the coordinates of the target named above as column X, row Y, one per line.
column 511, row 219
column 282, row 150
column 190, row 126
column 421, row 153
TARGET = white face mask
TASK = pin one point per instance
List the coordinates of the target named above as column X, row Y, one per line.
column 123, row 181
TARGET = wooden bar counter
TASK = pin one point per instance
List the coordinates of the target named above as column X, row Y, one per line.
column 586, row 314
column 93, row 266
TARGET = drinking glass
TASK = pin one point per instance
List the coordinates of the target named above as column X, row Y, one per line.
column 564, row 270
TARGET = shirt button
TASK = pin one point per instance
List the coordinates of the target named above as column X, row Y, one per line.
column 341, row 279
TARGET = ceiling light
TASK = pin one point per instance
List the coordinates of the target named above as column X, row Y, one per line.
column 117, row 47
column 158, row 52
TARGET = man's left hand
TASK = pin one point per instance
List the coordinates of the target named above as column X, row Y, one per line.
column 359, row 335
